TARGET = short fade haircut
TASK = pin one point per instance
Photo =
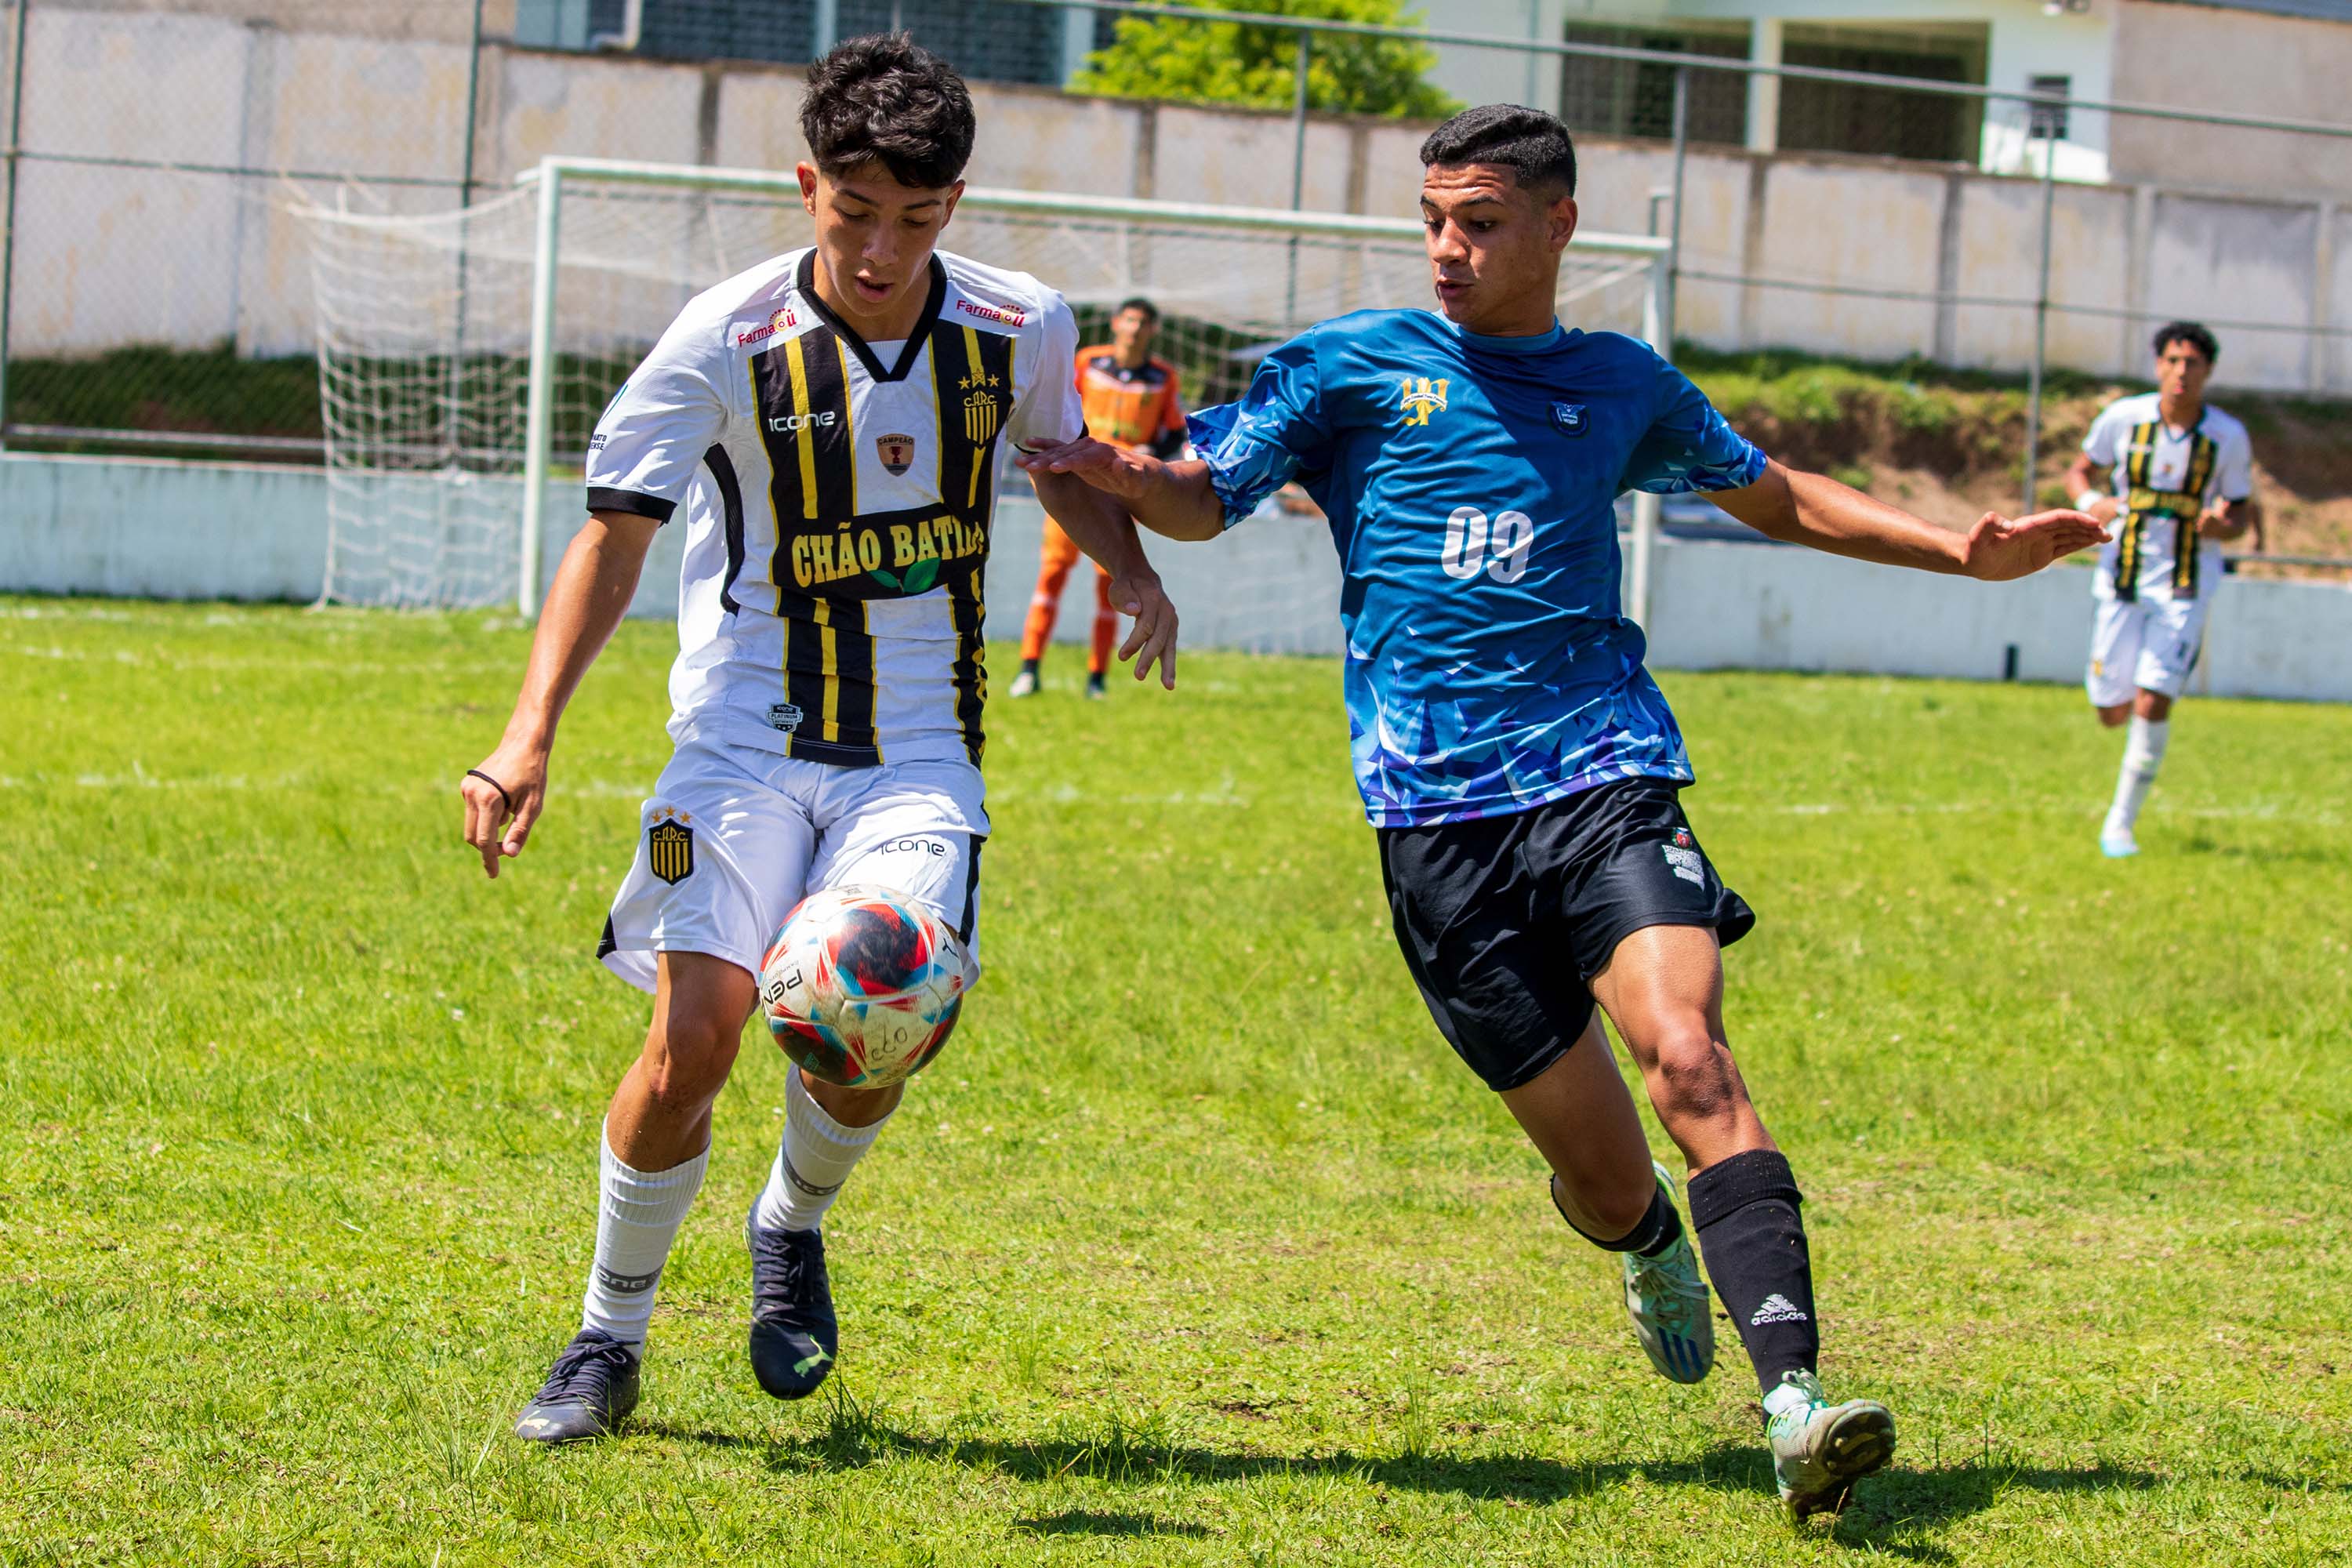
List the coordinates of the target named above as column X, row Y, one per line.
column 884, row 99
column 1151, row 311
column 1533, row 145
column 2193, row 334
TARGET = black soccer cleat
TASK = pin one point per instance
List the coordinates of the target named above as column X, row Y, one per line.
column 793, row 1331
column 590, row 1389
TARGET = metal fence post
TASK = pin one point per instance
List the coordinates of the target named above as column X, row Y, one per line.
column 8, row 215
column 1297, row 170
column 1647, row 505
column 2040, row 320
column 539, row 408
column 1675, row 230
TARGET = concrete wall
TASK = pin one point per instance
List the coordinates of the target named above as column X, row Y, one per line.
column 2237, row 61
column 109, row 258
column 203, row 531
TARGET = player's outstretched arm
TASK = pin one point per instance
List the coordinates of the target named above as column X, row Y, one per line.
column 1174, row 500
column 1814, row 510
column 1098, row 524
column 593, row 586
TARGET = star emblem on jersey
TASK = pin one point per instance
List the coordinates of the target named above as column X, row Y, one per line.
column 897, row 452
column 1422, row 398
column 1571, row 418
column 670, row 849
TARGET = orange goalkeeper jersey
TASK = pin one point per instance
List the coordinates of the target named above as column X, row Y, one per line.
column 1129, row 407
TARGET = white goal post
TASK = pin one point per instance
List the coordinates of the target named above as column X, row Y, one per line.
column 450, row 427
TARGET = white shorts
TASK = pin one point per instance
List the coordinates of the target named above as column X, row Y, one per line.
column 732, row 839
column 2144, row 644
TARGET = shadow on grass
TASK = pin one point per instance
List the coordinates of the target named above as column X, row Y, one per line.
column 1898, row 1513
column 1087, row 1522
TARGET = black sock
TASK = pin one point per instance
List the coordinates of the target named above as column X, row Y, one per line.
column 1028, row 667
column 1753, row 1241
column 1653, row 1233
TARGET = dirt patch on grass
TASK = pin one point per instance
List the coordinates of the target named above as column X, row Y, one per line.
column 1950, row 446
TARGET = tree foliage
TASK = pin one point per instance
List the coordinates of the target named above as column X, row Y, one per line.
column 1235, row 62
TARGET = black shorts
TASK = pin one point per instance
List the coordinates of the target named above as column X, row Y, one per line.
column 1503, row 919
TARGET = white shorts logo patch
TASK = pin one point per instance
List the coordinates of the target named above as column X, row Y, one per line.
column 1685, row 863
column 784, row 716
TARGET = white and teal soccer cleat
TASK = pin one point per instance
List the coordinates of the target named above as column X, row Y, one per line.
column 2117, row 843
column 1023, row 684
column 1820, row 1449
column 1668, row 1303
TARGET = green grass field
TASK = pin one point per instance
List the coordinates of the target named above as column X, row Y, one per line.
column 1197, row 1246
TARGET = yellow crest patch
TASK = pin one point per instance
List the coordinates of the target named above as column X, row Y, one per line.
column 669, row 850
column 1422, row 397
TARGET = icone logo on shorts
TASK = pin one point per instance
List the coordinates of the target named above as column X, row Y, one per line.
column 922, row 845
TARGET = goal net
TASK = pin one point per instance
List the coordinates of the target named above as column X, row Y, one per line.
column 465, row 357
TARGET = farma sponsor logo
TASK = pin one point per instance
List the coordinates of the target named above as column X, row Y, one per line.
column 997, row 313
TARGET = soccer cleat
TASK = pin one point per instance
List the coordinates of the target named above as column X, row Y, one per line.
column 1668, row 1303
column 589, row 1390
column 1820, row 1449
column 793, row 1331
column 1094, row 684
column 2117, row 843
column 1023, row 684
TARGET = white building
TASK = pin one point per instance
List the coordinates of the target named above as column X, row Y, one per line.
column 2023, row 46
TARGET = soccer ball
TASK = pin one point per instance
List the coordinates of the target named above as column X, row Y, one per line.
column 862, row 986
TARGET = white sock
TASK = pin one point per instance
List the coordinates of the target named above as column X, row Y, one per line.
column 814, row 1158
column 2143, row 751
column 637, row 1217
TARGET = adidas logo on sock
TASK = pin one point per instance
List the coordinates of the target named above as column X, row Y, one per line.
column 1777, row 1309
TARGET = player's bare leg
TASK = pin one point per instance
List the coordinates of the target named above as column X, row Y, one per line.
column 660, row 1115
column 2149, row 714
column 1664, row 990
column 1580, row 1118
column 655, row 1142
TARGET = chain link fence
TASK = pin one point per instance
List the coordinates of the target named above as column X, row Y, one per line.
column 1848, row 195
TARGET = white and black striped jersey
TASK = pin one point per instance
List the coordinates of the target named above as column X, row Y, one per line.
column 2163, row 479
column 838, row 497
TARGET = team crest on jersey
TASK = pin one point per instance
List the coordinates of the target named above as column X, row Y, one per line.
column 784, row 716
column 670, row 849
column 981, row 409
column 1422, row 398
column 897, row 452
column 1683, row 839
column 1571, row 418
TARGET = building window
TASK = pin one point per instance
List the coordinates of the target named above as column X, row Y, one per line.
column 1636, row 97
column 2048, row 120
column 1886, row 121
column 988, row 40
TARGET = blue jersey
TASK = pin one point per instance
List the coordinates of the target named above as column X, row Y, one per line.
column 1471, row 483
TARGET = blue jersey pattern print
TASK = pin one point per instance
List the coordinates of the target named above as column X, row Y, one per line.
column 1471, row 484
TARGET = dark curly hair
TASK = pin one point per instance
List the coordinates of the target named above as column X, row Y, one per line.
column 1533, row 145
column 886, row 98
column 2193, row 334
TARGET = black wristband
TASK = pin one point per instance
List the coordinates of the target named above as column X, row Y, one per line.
column 504, row 799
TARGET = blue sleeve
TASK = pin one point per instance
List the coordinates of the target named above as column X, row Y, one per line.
column 1689, row 446
column 1279, row 432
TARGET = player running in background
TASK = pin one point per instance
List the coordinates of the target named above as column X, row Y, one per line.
column 2183, row 482
column 830, row 424
column 1521, row 767
column 1130, row 397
